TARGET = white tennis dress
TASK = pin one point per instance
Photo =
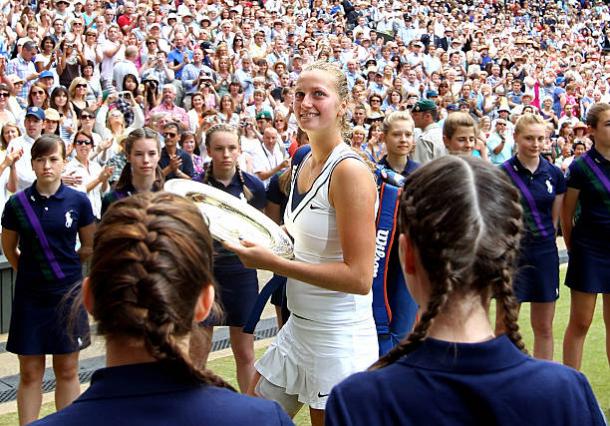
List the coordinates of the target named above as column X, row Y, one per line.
column 330, row 334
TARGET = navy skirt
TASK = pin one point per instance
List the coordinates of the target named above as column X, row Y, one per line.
column 278, row 298
column 589, row 263
column 237, row 291
column 41, row 321
column 537, row 277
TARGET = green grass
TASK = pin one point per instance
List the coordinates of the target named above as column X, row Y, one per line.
column 594, row 365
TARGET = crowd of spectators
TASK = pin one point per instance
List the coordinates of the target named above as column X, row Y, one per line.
column 107, row 66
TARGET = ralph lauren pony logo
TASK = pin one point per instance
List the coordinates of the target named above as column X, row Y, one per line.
column 69, row 219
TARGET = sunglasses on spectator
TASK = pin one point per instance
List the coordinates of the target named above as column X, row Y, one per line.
column 37, row 92
column 4, row 94
column 83, row 142
column 86, row 117
column 169, row 135
column 81, row 86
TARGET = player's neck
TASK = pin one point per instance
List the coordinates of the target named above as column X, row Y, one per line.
column 462, row 323
column 322, row 145
column 47, row 189
column 397, row 162
column 604, row 150
column 529, row 162
column 143, row 183
column 225, row 177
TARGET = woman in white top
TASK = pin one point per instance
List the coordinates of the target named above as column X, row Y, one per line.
column 331, row 215
column 94, row 178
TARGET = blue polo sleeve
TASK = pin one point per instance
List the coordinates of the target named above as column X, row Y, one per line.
column 274, row 194
column 561, row 186
column 86, row 216
column 9, row 217
column 576, row 177
column 187, row 164
column 256, row 186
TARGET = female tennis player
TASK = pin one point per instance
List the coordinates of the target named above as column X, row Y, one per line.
column 587, row 240
column 452, row 369
column 331, row 216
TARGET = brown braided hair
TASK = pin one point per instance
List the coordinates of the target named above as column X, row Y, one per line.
column 152, row 256
column 225, row 128
column 473, row 252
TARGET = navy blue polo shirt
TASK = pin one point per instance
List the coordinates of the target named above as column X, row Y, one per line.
column 446, row 383
column 235, row 188
column 543, row 186
column 116, row 195
column 61, row 216
column 160, row 394
column 410, row 167
column 186, row 167
column 590, row 174
column 275, row 195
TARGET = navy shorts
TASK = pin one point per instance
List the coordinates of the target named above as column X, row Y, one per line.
column 237, row 291
column 537, row 276
column 589, row 263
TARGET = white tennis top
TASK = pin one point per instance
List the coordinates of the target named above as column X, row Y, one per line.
column 313, row 226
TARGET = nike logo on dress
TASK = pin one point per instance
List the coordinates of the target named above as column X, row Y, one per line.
column 320, row 395
column 314, row 207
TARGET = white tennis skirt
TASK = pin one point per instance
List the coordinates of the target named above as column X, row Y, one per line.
column 308, row 358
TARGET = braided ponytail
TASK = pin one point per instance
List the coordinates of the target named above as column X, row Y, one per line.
column 471, row 253
column 208, row 172
column 247, row 193
column 152, row 259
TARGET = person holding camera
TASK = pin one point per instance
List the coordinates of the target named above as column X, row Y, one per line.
column 152, row 97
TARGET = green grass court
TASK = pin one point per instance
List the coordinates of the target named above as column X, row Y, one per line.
column 595, row 363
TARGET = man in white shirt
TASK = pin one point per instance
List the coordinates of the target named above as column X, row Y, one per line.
column 34, row 119
column 113, row 51
column 268, row 159
column 125, row 66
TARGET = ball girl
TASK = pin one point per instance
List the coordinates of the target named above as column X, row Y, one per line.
column 398, row 128
column 40, row 225
column 452, row 362
column 331, row 216
column 237, row 284
column 542, row 187
column 587, row 234
column 460, row 135
column 142, row 172
column 146, row 311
